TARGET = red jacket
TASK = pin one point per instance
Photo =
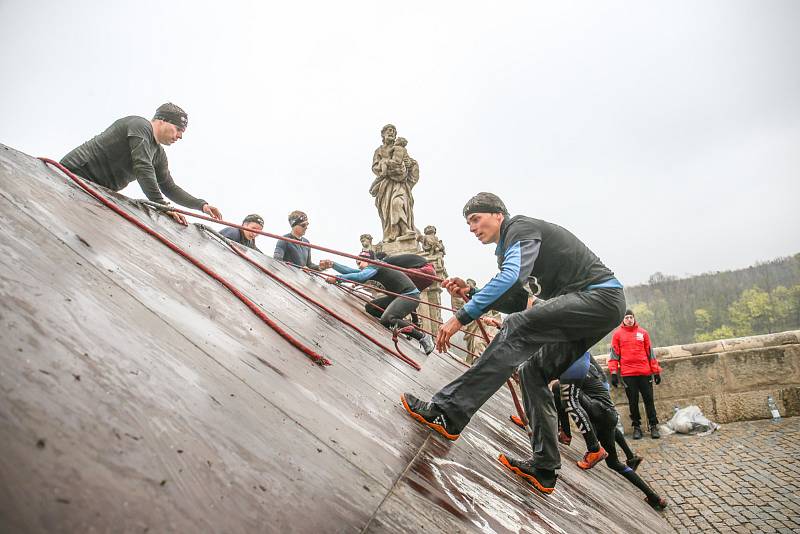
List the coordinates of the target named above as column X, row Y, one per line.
column 631, row 353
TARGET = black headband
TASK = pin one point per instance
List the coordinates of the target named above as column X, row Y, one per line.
column 298, row 219
column 484, row 203
column 254, row 217
column 181, row 120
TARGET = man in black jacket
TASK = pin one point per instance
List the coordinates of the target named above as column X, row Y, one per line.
column 584, row 303
column 389, row 309
column 130, row 149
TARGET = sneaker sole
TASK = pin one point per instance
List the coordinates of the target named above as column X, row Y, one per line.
column 525, row 476
column 588, row 465
column 433, row 426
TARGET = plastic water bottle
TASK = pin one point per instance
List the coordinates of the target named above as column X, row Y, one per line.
column 773, row 408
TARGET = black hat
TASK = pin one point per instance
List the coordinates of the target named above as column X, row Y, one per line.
column 172, row 114
column 254, row 217
column 485, row 203
column 297, row 217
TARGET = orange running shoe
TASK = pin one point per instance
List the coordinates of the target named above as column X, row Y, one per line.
column 427, row 414
column 544, row 481
column 517, row 421
column 590, row 459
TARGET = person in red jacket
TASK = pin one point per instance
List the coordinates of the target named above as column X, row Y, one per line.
column 632, row 357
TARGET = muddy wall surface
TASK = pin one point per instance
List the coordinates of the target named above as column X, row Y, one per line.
column 139, row 395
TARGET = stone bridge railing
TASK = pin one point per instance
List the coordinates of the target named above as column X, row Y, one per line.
column 728, row 379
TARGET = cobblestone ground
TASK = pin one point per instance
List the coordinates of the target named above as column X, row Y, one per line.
column 745, row 477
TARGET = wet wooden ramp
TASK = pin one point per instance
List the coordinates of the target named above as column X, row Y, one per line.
column 138, row 395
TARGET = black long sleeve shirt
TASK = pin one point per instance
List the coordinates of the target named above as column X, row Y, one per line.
column 127, row 151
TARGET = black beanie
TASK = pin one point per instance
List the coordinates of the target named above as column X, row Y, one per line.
column 172, row 114
column 254, row 217
column 485, row 203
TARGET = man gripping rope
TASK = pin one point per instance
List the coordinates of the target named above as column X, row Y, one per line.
column 130, row 149
column 389, row 309
column 585, row 302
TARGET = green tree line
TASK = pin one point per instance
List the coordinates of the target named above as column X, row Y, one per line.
column 760, row 299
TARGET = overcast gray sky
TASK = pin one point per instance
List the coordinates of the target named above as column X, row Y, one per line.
column 666, row 135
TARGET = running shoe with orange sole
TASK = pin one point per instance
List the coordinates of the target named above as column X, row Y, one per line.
column 544, row 481
column 590, row 459
column 517, row 421
column 427, row 414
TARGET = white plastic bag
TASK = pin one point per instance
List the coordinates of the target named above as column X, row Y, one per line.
column 690, row 420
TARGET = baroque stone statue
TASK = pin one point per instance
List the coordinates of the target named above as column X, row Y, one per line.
column 366, row 243
column 431, row 244
column 396, row 173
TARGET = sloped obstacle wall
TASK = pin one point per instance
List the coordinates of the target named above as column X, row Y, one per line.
column 138, row 395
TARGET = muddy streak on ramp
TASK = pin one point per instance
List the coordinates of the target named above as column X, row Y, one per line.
column 139, row 395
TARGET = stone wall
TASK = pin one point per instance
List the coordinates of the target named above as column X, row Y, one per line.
column 728, row 379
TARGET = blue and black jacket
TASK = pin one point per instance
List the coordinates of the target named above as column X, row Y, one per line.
column 394, row 281
column 541, row 258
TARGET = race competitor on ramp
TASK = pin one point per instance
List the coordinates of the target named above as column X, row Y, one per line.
column 585, row 302
column 389, row 309
column 130, row 149
column 564, row 433
column 597, row 403
column 416, row 262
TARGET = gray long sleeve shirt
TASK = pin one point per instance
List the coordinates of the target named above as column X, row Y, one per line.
column 127, row 151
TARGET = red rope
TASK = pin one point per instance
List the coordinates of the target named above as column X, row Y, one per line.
column 414, row 272
column 431, row 319
column 315, row 357
column 365, row 299
column 308, row 298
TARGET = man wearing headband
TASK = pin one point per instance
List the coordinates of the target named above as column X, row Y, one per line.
column 389, row 309
column 245, row 237
column 291, row 252
column 584, row 303
column 130, row 149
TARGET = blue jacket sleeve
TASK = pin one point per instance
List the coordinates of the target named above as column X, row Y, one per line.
column 359, row 276
column 517, row 265
column 344, row 269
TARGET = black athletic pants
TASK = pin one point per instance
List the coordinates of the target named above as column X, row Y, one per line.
column 605, row 425
column 394, row 310
column 547, row 338
column 563, row 418
column 640, row 384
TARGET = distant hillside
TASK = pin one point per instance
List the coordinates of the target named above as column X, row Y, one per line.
column 760, row 299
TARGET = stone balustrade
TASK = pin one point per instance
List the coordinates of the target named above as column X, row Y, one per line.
column 728, row 379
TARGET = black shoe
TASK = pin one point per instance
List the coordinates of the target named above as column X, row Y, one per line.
column 637, row 432
column 426, row 344
column 544, row 481
column 634, row 462
column 430, row 416
column 658, row 503
column 654, row 433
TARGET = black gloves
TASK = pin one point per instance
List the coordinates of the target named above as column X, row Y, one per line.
column 614, row 379
column 657, row 379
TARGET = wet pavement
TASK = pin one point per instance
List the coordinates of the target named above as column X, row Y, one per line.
column 744, row 477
